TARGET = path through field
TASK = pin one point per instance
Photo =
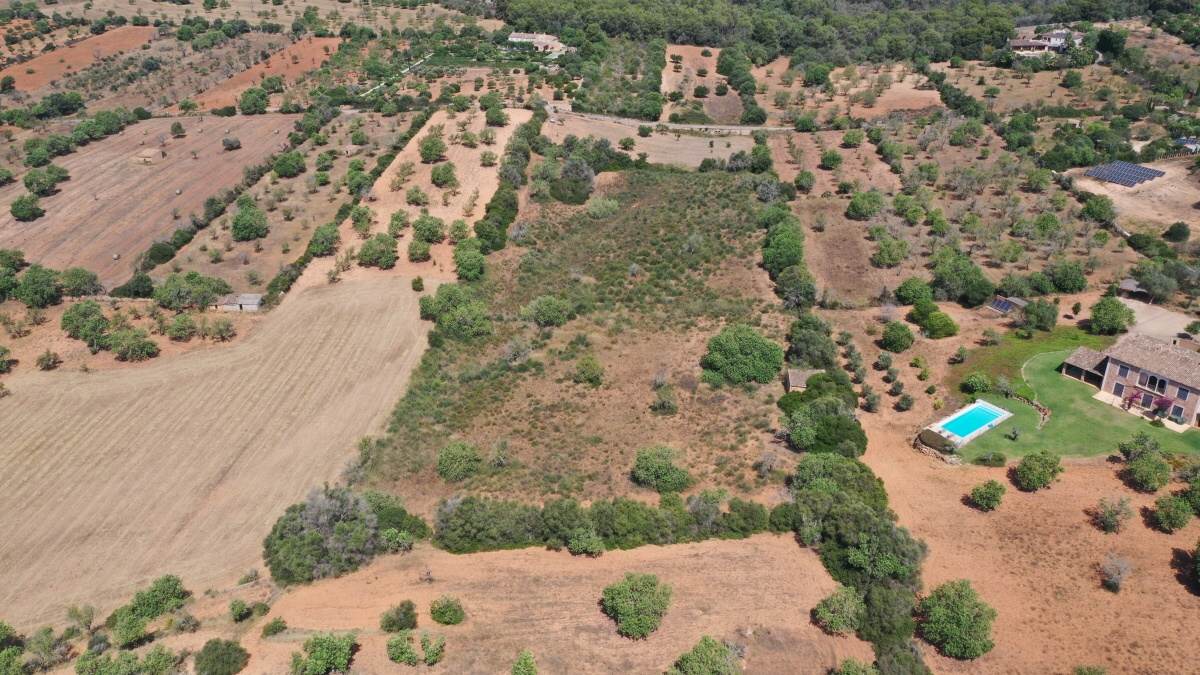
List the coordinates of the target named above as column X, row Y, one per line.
column 113, row 478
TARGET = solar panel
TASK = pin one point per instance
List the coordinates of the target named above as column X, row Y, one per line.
column 1001, row 305
column 1124, row 173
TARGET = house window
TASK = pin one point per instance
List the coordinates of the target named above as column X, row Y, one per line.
column 1183, row 394
column 1123, row 371
column 1177, row 413
column 1147, row 400
column 1119, row 390
column 1143, row 378
column 1156, row 384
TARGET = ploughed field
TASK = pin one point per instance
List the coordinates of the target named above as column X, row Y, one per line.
column 181, row 466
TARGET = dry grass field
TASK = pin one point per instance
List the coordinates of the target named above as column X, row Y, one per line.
column 51, row 66
column 725, row 109
column 1017, row 91
column 181, row 466
column 113, row 205
column 896, row 88
column 289, row 63
column 676, row 148
column 547, row 602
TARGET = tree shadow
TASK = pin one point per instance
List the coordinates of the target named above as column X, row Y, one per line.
column 1184, row 565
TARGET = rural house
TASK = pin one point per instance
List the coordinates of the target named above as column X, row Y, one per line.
column 1054, row 41
column 542, row 42
column 1142, row 375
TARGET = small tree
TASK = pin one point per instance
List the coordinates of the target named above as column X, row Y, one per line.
column 238, row 610
column 1110, row 515
column 637, row 603
column 431, row 148
column 1171, row 513
column 987, row 496
column 708, row 657
column 1037, row 471
column 957, row 621
column 525, row 664
column 896, row 337
column 1109, row 317
column 400, row 649
column 654, row 468
column 830, row 160
column 739, row 354
column 1148, row 472
column 326, row 653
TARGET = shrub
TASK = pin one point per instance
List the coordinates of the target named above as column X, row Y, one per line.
column 443, row 175
column 939, row 325
column 987, row 496
column 739, row 354
column 418, row 251
column 1171, row 513
column 956, row 621
column 1114, row 571
column 400, row 649
column 132, row 344
column 1037, row 471
column 249, row 223
column 977, row 383
column 637, row 603
column 896, row 337
column 239, row 610
column 26, row 208
column 469, row 263
column 830, row 160
column 864, row 205
column 1111, row 515
column 524, row 665
column 274, row 627
column 547, row 310
column 86, row 321
column 654, row 469
column 585, row 541
column 378, row 251
column 708, row 657
column 433, row 646
column 399, row 617
column 912, row 290
column 447, row 611
column 289, row 164
column 1109, row 317
column 588, row 371
column 330, row 533
column 429, row 229
column 325, row 240
column 856, row 667
column 458, row 461
column 326, row 653
column 221, row 657
column 841, row 612
column 1148, row 472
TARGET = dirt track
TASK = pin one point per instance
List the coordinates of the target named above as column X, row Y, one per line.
column 182, row 466
column 114, row 205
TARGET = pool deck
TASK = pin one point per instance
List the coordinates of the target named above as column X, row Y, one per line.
column 959, row 441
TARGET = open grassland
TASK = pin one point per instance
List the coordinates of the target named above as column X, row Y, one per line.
column 51, row 66
column 179, row 466
column 654, row 280
column 114, row 205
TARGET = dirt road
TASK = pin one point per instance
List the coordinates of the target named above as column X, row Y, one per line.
column 112, row 478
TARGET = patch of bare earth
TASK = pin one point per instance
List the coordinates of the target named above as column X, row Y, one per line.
column 50, row 66
column 289, row 63
column 661, row 147
column 180, row 466
column 1155, row 204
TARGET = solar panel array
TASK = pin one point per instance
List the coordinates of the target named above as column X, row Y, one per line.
column 1124, row 173
column 1002, row 305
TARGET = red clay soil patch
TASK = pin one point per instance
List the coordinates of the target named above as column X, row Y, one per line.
column 50, row 66
column 290, row 63
column 116, row 205
column 756, row 592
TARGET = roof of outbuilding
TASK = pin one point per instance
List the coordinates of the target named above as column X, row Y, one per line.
column 1086, row 358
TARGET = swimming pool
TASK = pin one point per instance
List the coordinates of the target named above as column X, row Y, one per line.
column 968, row 423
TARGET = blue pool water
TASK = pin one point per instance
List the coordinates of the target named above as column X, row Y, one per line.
column 971, row 420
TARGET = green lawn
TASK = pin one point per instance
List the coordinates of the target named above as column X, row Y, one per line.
column 1078, row 425
column 1005, row 359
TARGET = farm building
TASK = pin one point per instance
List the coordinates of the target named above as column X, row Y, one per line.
column 796, row 379
column 542, row 42
column 239, row 302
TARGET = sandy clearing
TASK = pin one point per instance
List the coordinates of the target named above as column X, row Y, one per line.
column 291, row 62
column 50, row 66
column 680, row 149
column 113, row 205
column 181, row 466
column 757, row 591
column 1159, row 202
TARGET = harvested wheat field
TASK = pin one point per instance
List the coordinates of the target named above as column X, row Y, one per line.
column 1155, row 204
column 181, row 466
column 46, row 68
column 547, row 602
column 118, row 202
column 671, row 147
column 289, row 63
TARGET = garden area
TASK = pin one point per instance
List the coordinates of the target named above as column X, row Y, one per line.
column 1078, row 425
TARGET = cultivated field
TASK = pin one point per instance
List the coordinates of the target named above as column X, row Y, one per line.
column 756, row 592
column 1155, row 204
column 114, row 205
column 677, row 148
column 289, row 63
column 51, row 66
column 181, row 466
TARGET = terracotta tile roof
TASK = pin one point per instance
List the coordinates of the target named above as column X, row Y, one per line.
column 1160, row 358
column 1087, row 359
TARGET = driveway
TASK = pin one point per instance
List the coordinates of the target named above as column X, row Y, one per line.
column 1155, row 321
